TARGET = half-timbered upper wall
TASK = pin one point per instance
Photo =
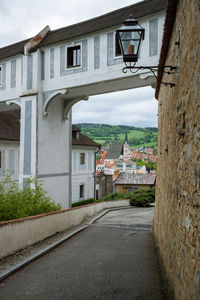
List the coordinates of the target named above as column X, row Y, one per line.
column 80, row 61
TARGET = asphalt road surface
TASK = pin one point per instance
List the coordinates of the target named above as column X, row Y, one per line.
column 111, row 259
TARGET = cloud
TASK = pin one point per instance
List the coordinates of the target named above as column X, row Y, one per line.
column 136, row 107
column 25, row 18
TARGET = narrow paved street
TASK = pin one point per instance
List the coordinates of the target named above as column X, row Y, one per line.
column 111, row 259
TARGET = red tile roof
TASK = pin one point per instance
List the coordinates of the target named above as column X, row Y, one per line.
column 83, row 140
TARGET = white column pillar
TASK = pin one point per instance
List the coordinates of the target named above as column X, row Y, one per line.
column 53, row 150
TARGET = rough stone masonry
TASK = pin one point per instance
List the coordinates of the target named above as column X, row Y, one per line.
column 177, row 208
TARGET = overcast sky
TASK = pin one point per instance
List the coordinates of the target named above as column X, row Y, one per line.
column 21, row 19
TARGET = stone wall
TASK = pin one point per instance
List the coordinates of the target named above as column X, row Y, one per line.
column 105, row 185
column 177, row 208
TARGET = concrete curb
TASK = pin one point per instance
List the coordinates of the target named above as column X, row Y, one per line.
column 40, row 253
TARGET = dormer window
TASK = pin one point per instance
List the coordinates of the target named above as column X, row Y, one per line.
column 0, row 75
column 74, row 56
column 77, row 136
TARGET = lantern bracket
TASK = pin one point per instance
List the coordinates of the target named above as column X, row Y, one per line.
column 166, row 69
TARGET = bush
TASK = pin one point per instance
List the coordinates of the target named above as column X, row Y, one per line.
column 114, row 196
column 142, row 197
column 83, row 202
column 137, row 198
column 20, row 202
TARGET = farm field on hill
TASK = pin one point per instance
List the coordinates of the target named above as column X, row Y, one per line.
column 105, row 134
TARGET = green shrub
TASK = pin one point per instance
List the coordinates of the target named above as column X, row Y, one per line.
column 114, row 196
column 83, row 202
column 20, row 202
column 139, row 197
column 142, row 197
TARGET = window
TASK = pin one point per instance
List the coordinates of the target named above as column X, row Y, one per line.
column 82, row 158
column 153, row 37
column 74, row 56
column 0, row 75
column 42, row 65
column 0, row 159
column 77, row 135
column 118, row 51
column 81, row 191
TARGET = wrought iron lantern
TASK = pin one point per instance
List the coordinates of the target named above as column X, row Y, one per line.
column 130, row 37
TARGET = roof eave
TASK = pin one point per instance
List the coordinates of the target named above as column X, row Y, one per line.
column 170, row 18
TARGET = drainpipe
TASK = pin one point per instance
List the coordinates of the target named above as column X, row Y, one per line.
column 95, row 156
column 95, row 159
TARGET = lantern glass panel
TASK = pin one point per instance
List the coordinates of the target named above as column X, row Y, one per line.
column 129, row 42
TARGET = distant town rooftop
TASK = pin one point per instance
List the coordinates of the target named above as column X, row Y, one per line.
column 137, row 179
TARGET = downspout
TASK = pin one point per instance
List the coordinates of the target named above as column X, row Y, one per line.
column 95, row 159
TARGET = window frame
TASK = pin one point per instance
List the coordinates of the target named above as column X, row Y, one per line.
column 1, row 75
column 81, row 191
column 82, row 163
column 115, row 47
column 66, row 56
column 150, row 38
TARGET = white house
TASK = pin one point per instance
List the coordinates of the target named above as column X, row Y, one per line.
column 47, row 74
column 83, row 166
column 83, row 156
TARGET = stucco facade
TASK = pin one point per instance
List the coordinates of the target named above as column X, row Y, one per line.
column 83, row 175
column 177, row 206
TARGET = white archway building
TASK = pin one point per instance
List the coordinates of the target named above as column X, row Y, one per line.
column 47, row 74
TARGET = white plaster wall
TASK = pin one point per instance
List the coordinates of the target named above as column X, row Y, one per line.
column 17, row 236
column 53, row 140
column 53, row 150
column 11, row 93
column 83, row 174
column 57, row 188
column 83, row 179
column 92, row 76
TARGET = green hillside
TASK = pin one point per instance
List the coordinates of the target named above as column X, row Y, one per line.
column 105, row 134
